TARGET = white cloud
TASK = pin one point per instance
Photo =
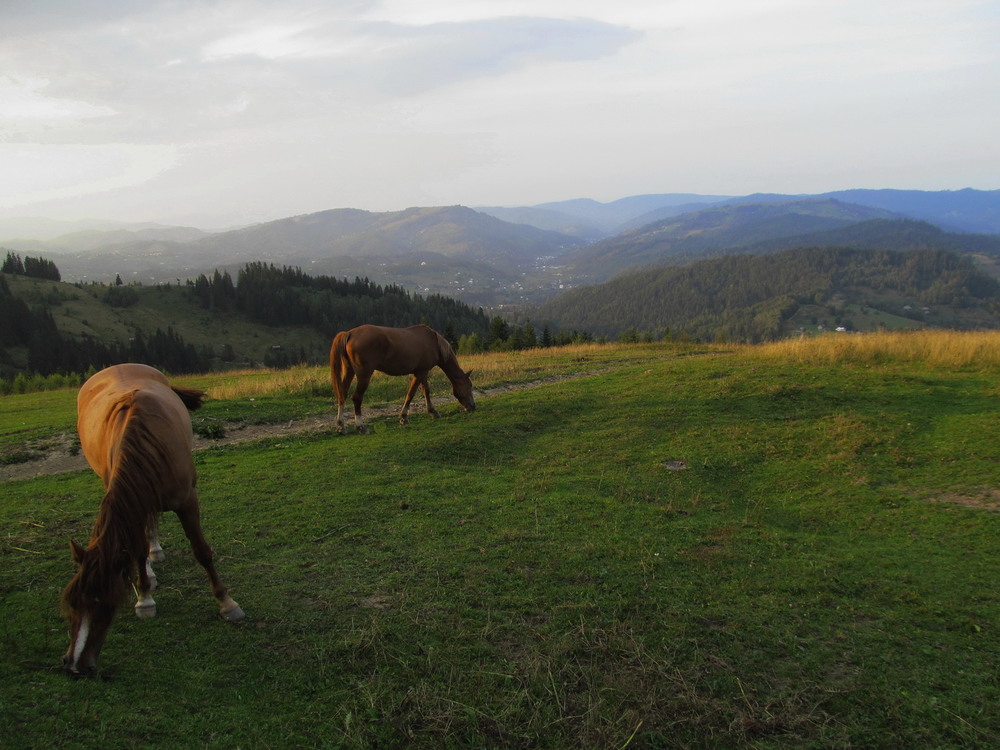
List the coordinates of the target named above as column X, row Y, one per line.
column 49, row 172
column 175, row 107
column 25, row 101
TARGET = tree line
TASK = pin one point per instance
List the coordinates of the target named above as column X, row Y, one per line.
column 275, row 296
column 264, row 294
column 38, row 268
column 50, row 351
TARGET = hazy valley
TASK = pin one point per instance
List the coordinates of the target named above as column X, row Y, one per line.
column 749, row 268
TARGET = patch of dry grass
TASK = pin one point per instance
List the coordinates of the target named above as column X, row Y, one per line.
column 955, row 350
column 489, row 369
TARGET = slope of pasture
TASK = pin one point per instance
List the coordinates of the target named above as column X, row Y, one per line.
column 711, row 547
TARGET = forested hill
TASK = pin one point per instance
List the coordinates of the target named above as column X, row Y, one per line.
column 887, row 234
column 755, row 298
column 269, row 315
column 711, row 231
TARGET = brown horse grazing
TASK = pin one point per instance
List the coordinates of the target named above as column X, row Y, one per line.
column 135, row 431
column 395, row 351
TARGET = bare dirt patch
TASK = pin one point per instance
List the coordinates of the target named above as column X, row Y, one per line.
column 986, row 498
column 60, row 454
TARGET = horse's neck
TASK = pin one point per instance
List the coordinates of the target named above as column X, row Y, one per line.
column 449, row 364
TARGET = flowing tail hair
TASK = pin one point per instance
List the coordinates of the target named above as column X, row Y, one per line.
column 339, row 365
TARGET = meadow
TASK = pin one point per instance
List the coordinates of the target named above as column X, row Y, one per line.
column 644, row 546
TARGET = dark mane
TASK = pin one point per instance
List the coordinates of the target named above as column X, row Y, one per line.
column 192, row 398
column 118, row 542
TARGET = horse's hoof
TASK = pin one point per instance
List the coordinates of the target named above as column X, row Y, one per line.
column 363, row 430
column 404, row 421
column 233, row 615
column 145, row 610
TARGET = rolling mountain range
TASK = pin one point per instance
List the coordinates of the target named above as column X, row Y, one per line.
column 522, row 257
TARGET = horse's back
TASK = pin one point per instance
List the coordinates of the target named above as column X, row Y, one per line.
column 394, row 351
column 111, row 399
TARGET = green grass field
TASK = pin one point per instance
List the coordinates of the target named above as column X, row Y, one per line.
column 786, row 546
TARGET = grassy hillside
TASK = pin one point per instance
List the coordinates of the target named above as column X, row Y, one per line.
column 270, row 315
column 783, row 546
column 80, row 310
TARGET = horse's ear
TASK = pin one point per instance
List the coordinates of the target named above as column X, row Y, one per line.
column 468, row 374
column 77, row 551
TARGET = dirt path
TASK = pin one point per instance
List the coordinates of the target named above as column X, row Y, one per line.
column 61, row 454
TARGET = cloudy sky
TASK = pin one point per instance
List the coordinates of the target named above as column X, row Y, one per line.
column 227, row 112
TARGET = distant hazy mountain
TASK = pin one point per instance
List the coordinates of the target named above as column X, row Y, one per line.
column 711, row 231
column 466, row 248
column 42, row 229
column 594, row 220
column 522, row 255
column 968, row 210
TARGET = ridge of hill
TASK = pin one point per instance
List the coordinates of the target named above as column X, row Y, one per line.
column 459, row 243
column 485, row 260
column 711, row 231
column 967, row 210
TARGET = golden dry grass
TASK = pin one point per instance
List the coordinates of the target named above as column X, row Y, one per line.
column 488, row 369
column 978, row 350
column 956, row 350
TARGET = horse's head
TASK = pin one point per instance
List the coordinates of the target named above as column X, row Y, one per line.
column 89, row 602
column 461, row 387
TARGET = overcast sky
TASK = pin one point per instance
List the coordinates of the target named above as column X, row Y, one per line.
column 227, row 112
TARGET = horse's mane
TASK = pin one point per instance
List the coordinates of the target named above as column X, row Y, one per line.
column 119, row 542
column 448, row 361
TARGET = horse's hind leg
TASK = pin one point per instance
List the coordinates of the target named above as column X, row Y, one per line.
column 190, row 518
column 358, row 397
column 345, row 384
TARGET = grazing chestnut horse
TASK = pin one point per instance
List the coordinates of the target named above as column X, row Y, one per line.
column 395, row 351
column 135, row 431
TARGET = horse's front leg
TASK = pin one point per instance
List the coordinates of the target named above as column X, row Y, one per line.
column 155, row 550
column 155, row 553
column 145, row 607
column 404, row 414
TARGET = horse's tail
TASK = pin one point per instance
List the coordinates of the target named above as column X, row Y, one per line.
column 192, row 398
column 339, row 365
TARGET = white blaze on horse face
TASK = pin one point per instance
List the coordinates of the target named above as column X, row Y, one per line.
column 81, row 639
